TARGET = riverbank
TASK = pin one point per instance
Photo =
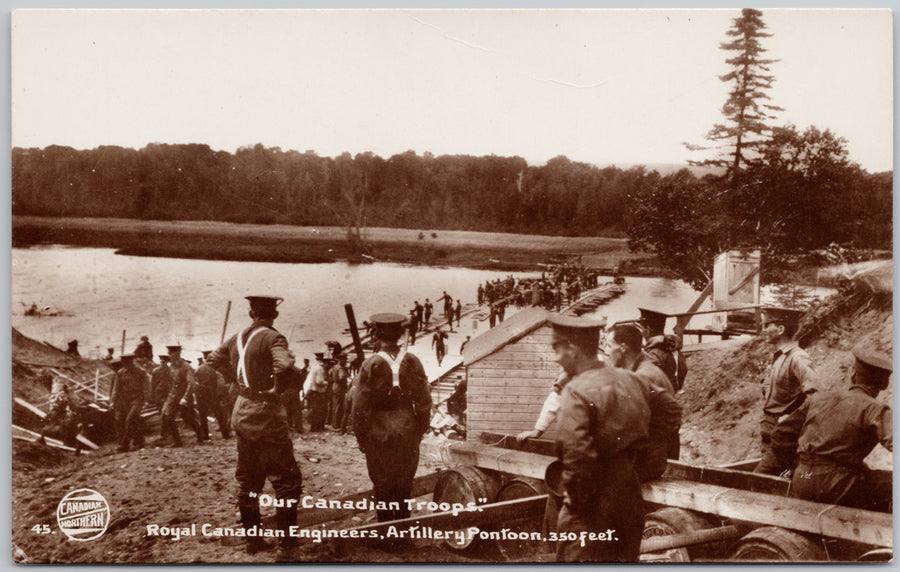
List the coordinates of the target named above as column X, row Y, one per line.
column 280, row 243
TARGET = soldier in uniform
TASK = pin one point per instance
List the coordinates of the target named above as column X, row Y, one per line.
column 180, row 398
column 257, row 358
column 314, row 389
column 338, row 377
column 207, row 398
column 790, row 380
column 391, row 412
column 624, row 345
column 603, row 419
column 130, row 390
column 144, row 350
column 664, row 350
column 833, row 431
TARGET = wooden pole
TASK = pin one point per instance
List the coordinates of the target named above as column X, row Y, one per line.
column 97, row 384
column 357, row 343
column 225, row 325
column 660, row 543
column 123, row 342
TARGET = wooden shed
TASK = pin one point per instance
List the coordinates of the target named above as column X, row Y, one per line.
column 510, row 370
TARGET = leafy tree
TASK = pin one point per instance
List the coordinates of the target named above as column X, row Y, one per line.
column 745, row 111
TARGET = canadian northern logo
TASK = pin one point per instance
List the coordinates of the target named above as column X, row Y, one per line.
column 83, row 515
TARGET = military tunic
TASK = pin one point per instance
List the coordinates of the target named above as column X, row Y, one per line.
column 665, row 421
column 831, row 433
column 389, row 424
column 790, row 379
column 259, row 419
column 603, row 419
column 129, row 392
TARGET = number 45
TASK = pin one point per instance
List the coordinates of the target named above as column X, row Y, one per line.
column 41, row 529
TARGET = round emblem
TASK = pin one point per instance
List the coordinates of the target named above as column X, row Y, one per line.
column 83, row 515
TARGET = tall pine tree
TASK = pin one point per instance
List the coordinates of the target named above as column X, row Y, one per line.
column 746, row 111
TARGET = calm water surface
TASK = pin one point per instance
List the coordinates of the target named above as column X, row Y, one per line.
column 174, row 300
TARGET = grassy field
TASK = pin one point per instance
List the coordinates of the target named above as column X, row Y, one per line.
column 280, row 243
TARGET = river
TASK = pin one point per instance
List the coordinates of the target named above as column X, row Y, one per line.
column 100, row 294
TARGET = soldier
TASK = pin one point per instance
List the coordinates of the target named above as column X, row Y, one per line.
column 109, row 354
column 458, row 312
column 207, row 398
column 144, row 350
column 391, row 412
column 429, row 309
column 130, row 389
column 257, row 358
column 624, row 344
column 180, row 398
column 412, row 326
column 338, row 377
column 314, row 390
column 833, row 431
column 420, row 310
column 72, row 350
column 663, row 350
column 437, row 342
column 480, row 293
column 290, row 396
column 789, row 381
column 603, row 420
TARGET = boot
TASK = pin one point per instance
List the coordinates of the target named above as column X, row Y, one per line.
column 285, row 518
column 250, row 518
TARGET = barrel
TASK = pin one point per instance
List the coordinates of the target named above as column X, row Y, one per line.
column 523, row 548
column 774, row 544
column 464, row 484
column 670, row 521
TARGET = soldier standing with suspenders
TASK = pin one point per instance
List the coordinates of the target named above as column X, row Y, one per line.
column 258, row 357
column 391, row 412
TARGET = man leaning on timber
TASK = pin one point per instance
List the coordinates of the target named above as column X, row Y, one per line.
column 833, row 431
column 789, row 381
column 603, row 420
column 391, row 412
column 258, row 358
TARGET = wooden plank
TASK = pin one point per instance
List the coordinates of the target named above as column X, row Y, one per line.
column 423, row 485
column 485, row 399
column 526, row 417
column 731, row 478
column 32, row 436
column 494, row 512
column 518, row 373
column 508, row 441
column 76, row 382
column 486, row 457
column 536, row 394
column 81, row 438
column 828, row 520
column 510, row 382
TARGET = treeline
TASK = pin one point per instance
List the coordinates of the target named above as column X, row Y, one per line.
column 268, row 185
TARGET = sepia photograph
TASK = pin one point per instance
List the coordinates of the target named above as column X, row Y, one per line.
column 451, row 285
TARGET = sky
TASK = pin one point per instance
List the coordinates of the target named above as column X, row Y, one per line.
column 598, row 86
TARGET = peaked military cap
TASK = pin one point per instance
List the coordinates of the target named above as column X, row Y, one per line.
column 264, row 302
column 653, row 320
column 582, row 331
column 206, row 353
column 163, row 357
column 388, row 325
column 124, row 357
column 319, row 355
column 782, row 315
column 874, row 361
column 174, row 348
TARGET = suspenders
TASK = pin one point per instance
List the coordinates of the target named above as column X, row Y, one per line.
column 242, row 348
column 395, row 365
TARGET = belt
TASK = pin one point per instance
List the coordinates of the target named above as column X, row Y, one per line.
column 258, row 395
column 821, row 461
